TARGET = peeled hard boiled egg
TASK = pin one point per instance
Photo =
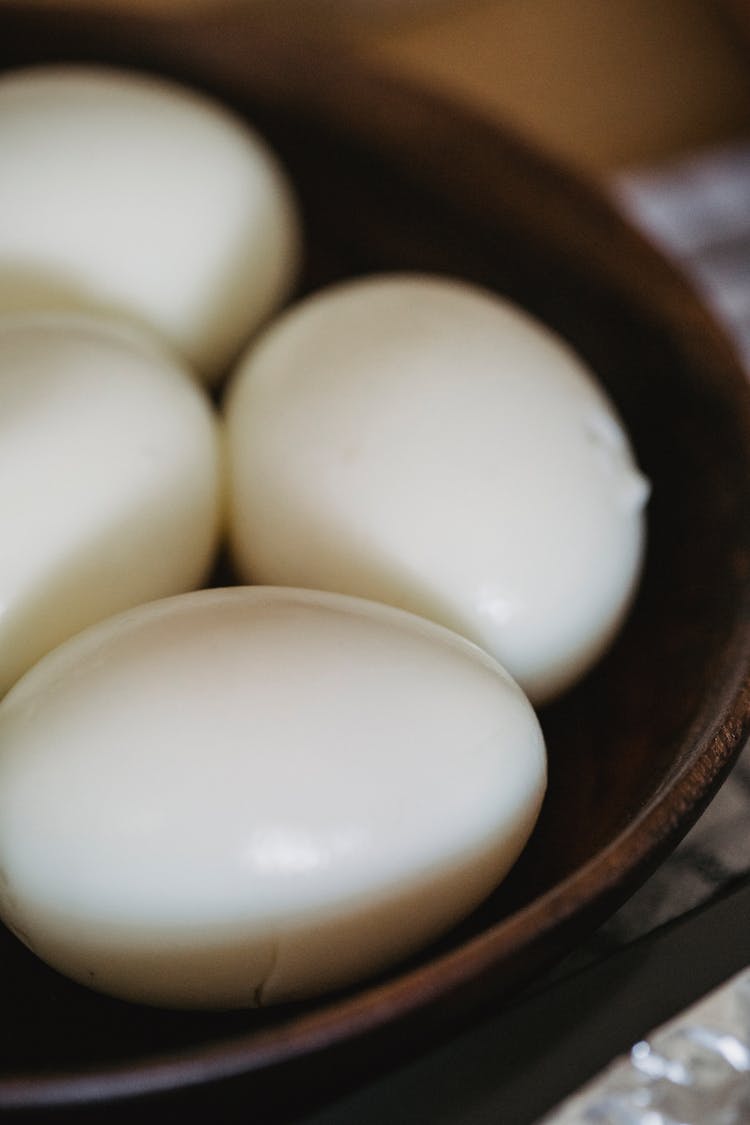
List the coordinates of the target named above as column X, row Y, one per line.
column 111, row 471
column 420, row 442
column 249, row 795
column 125, row 194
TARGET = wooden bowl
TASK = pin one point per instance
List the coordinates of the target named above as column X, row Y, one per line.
column 393, row 177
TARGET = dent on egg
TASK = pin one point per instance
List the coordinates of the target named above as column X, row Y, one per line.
column 493, row 489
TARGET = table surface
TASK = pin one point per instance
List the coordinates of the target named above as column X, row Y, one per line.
column 518, row 1064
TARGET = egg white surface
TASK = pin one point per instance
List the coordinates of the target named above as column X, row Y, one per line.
column 126, row 194
column 418, row 441
column 112, row 482
column 241, row 796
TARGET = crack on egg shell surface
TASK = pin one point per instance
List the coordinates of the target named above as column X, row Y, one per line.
column 385, row 774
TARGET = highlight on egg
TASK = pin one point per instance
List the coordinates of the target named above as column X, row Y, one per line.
column 244, row 796
column 167, row 209
column 421, row 442
column 112, row 459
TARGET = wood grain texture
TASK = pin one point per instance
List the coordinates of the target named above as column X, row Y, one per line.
column 394, row 177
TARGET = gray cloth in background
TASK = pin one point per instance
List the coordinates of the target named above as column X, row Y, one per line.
column 697, row 212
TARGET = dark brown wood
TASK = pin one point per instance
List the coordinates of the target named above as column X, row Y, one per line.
column 391, row 177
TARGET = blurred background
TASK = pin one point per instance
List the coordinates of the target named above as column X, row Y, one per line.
column 650, row 97
column 606, row 84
